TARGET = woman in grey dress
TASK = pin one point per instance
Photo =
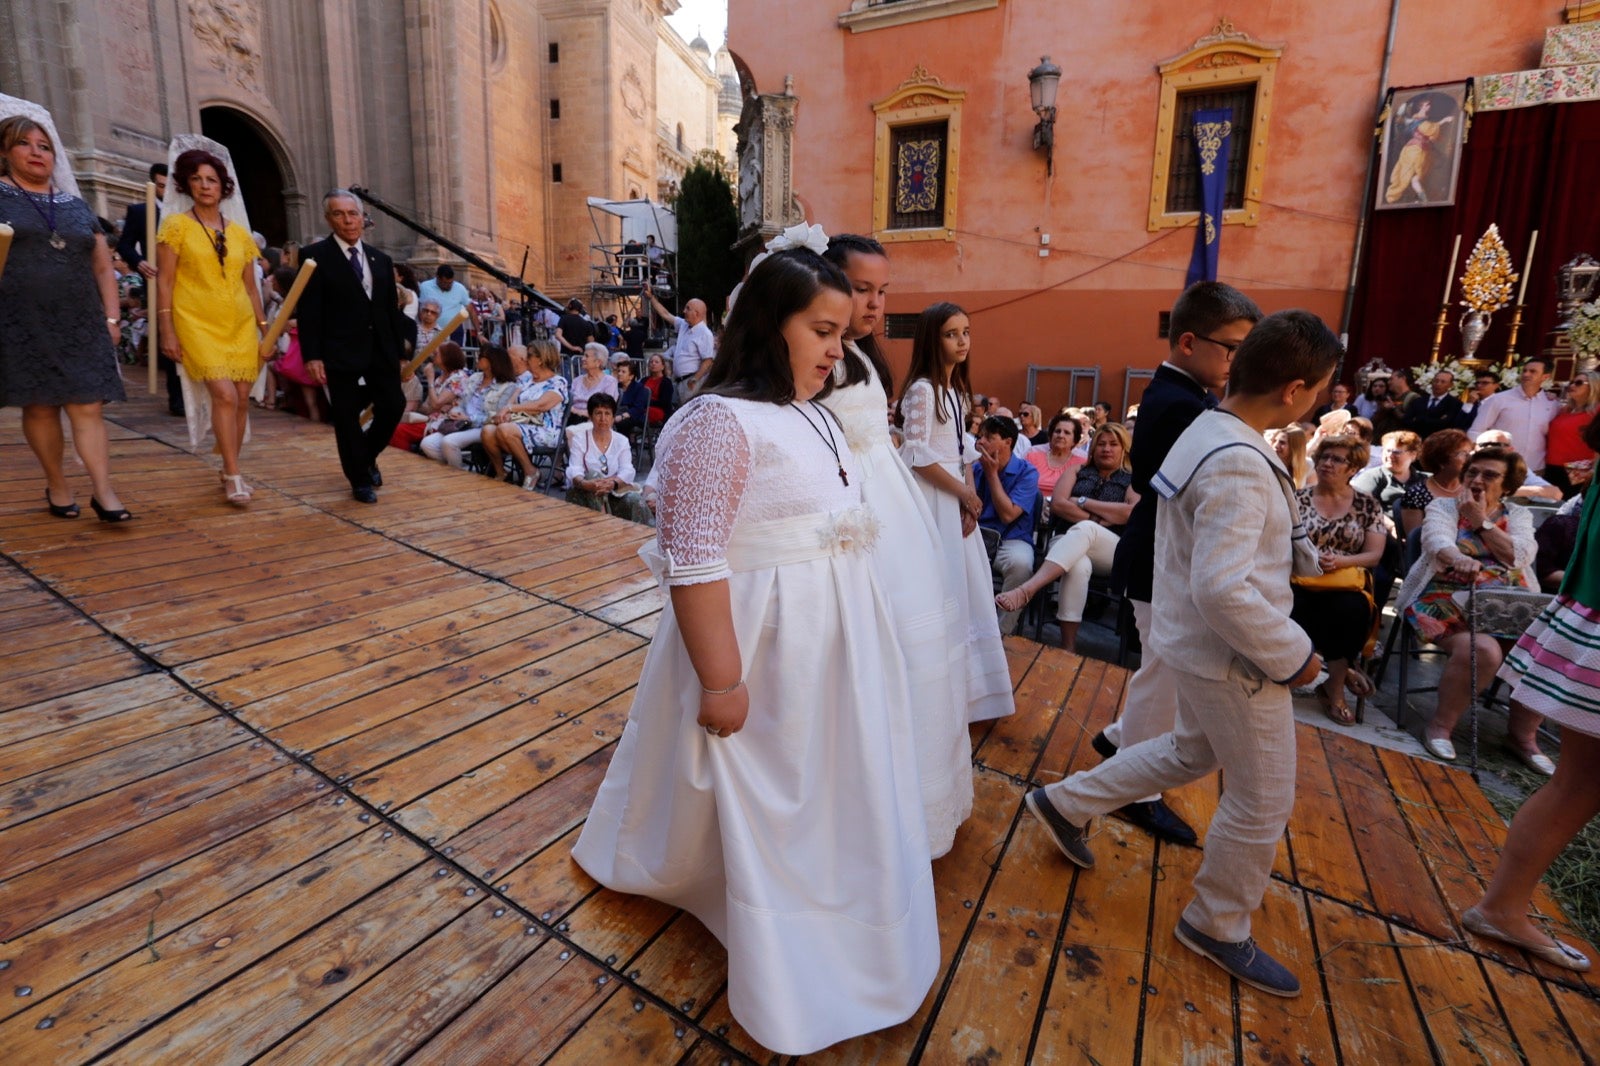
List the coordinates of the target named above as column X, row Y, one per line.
column 55, row 353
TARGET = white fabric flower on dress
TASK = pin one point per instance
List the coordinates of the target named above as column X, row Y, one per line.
column 853, row 530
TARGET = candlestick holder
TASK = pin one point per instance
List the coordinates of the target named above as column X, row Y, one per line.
column 1438, row 332
column 1516, row 328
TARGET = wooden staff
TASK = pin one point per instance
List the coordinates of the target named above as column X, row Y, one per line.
column 438, row 339
column 150, row 317
column 6, row 233
column 280, row 321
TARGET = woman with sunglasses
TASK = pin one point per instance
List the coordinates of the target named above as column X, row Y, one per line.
column 209, row 307
column 1569, row 462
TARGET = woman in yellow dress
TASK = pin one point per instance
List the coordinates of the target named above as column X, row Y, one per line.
column 209, row 306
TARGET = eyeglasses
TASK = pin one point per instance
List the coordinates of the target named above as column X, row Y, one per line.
column 1228, row 346
column 1332, row 460
column 1477, row 473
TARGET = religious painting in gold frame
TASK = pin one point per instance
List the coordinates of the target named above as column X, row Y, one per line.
column 1419, row 153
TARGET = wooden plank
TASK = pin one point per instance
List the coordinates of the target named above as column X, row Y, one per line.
column 76, row 945
column 91, row 705
column 1091, row 1011
column 549, row 883
column 1013, row 744
column 385, row 1019
column 1091, row 706
column 525, row 1017
column 263, row 1003
column 137, row 991
column 1455, row 1002
column 116, row 664
column 1437, row 842
column 1285, row 1030
column 500, row 841
column 68, row 746
column 1368, row 995
column 1325, row 855
column 1188, row 1000
column 626, row 1028
column 1581, row 1011
column 1541, row 1036
column 685, row 966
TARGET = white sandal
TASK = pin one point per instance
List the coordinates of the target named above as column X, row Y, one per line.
column 234, row 488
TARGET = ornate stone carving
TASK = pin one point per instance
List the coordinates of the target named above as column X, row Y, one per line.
column 229, row 35
column 633, row 95
column 1222, row 32
column 766, row 181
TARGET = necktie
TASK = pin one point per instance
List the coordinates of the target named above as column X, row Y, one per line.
column 355, row 264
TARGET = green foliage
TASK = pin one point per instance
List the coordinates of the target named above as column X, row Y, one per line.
column 708, row 224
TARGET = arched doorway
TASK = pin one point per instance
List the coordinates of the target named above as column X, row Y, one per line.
column 260, row 177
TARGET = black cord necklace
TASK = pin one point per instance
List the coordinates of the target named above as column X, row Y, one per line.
column 825, row 434
column 949, row 398
column 57, row 241
column 219, row 238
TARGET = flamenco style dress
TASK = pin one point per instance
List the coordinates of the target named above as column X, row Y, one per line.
column 798, row 841
column 54, row 345
column 909, row 562
column 211, row 311
column 967, row 575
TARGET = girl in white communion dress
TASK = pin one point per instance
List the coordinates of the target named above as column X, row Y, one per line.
column 765, row 781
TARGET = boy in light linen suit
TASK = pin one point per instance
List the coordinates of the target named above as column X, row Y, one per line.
column 1228, row 538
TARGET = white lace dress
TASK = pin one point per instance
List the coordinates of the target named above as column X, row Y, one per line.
column 930, row 442
column 909, row 561
column 798, row 841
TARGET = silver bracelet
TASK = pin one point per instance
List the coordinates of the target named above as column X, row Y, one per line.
column 723, row 691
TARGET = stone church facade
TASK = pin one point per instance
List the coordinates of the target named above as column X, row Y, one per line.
column 490, row 121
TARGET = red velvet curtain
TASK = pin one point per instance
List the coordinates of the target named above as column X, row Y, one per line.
column 1533, row 168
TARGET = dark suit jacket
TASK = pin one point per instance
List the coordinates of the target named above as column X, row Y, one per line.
column 1171, row 402
column 339, row 326
column 131, row 244
column 1444, row 415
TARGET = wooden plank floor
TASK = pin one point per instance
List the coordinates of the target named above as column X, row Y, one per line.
column 300, row 785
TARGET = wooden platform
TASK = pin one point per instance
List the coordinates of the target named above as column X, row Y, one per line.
column 300, row 785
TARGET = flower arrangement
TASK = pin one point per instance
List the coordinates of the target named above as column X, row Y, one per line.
column 1584, row 330
column 1466, row 375
column 1489, row 281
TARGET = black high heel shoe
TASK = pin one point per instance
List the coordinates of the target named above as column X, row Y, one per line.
column 120, row 515
column 69, row 511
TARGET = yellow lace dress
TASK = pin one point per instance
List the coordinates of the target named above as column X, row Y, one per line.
column 210, row 308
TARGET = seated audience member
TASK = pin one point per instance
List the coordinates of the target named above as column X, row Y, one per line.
column 660, row 386
column 1339, row 400
column 1473, row 541
column 600, row 472
column 449, row 384
column 1337, row 610
column 1389, row 481
column 1557, row 539
column 1131, row 417
column 1028, row 417
column 1362, row 428
column 1098, row 508
column 594, row 380
column 1444, row 453
column 633, row 398
column 1533, row 487
column 1008, row 489
column 1058, row 460
column 533, row 419
column 1290, row 444
column 495, row 387
column 1022, row 446
column 1569, row 462
column 427, row 322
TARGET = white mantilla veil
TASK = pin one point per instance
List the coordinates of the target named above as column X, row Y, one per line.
column 62, row 176
column 196, row 400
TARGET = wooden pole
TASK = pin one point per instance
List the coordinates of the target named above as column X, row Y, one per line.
column 280, row 321
column 438, row 339
column 151, row 319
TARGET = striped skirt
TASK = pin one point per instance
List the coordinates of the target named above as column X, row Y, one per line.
column 1555, row 667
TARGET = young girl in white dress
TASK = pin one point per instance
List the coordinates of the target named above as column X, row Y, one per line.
column 765, row 781
column 932, row 414
column 908, row 559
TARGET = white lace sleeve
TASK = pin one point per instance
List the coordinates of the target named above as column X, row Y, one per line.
column 700, row 481
column 916, row 408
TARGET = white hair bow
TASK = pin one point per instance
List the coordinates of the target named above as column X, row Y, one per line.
column 799, row 235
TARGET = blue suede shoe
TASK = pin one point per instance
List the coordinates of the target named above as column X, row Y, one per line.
column 1244, row 960
column 1068, row 837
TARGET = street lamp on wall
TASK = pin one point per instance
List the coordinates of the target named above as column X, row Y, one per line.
column 1043, row 81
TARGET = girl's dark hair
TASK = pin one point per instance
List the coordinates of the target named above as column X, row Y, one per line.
column 927, row 360
column 451, row 357
column 752, row 360
column 840, row 249
column 499, row 363
column 602, row 399
column 189, row 163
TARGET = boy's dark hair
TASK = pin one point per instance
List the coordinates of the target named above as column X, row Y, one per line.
column 999, row 426
column 1284, row 346
column 1207, row 306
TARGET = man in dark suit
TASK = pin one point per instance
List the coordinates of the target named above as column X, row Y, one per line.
column 1208, row 323
column 131, row 247
column 1440, row 410
column 1404, row 402
column 350, row 335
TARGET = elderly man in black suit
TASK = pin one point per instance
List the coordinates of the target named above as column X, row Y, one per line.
column 131, row 247
column 351, row 338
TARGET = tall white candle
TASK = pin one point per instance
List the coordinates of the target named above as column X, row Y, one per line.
column 1527, row 269
column 1450, row 273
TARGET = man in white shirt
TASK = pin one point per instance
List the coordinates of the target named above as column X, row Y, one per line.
column 1525, row 413
column 694, row 348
